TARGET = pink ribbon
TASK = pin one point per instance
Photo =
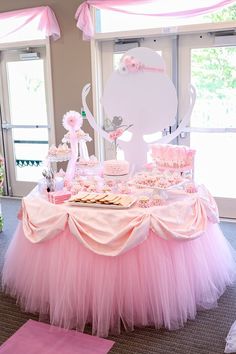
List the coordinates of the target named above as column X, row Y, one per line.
column 131, row 64
column 70, row 171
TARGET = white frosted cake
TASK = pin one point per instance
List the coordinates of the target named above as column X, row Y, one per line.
column 116, row 167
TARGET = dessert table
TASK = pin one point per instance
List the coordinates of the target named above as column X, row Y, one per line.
column 112, row 268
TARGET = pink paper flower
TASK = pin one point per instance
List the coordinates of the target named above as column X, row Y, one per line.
column 129, row 64
column 132, row 64
column 72, row 120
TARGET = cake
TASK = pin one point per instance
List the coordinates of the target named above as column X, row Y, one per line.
column 116, row 167
column 173, row 157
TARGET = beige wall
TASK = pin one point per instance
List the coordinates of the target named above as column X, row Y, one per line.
column 70, row 57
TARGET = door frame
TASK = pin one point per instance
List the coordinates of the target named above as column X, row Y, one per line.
column 45, row 43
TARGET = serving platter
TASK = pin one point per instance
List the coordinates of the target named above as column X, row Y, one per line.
column 102, row 200
column 156, row 188
column 100, row 205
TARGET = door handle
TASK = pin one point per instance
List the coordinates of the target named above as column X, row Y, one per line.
column 12, row 126
column 183, row 135
column 6, row 126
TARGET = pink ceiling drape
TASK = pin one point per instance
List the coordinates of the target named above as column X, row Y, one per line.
column 16, row 20
column 160, row 8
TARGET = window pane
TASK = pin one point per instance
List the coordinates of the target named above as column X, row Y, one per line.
column 27, row 32
column 215, row 156
column 213, row 73
column 214, row 76
column 112, row 21
column 30, row 150
column 27, row 92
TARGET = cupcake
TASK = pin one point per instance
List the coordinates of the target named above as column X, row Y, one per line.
column 190, row 188
column 157, row 200
column 143, row 202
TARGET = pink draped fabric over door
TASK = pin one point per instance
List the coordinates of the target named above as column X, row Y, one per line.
column 160, row 8
column 13, row 21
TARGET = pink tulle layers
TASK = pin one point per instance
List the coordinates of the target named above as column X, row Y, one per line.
column 159, row 282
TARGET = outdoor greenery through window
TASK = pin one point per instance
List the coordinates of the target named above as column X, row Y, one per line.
column 214, row 76
column 213, row 73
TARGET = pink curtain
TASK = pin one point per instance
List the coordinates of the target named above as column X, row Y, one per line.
column 160, row 8
column 13, row 21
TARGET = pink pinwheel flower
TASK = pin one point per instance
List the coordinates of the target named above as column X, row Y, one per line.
column 72, row 120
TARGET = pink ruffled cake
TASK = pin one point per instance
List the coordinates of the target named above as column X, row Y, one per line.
column 116, row 167
column 173, row 157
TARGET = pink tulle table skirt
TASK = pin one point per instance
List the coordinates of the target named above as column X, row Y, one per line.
column 159, row 282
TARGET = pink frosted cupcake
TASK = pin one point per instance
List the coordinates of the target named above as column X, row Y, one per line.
column 190, row 188
column 92, row 188
column 157, row 200
column 143, row 202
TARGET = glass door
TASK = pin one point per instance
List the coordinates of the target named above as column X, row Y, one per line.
column 208, row 62
column 24, row 118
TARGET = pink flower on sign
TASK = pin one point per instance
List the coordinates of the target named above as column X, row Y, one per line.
column 132, row 64
column 129, row 64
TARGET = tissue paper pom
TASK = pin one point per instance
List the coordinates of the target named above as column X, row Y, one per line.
column 72, row 120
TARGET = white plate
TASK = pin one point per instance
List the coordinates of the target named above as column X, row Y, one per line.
column 143, row 186
column 174, row 186
column 102, row 206
column 58, row 158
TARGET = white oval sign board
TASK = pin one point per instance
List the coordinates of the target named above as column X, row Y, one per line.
column 143, row 96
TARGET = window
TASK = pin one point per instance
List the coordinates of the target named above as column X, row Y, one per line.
column 26, row 33
column 112, row 21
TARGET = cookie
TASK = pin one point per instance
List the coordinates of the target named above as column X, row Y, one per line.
column 78, row 197
column 125, row 201
column 111, row 198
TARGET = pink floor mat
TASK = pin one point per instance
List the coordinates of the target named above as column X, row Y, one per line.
column 40, row 338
